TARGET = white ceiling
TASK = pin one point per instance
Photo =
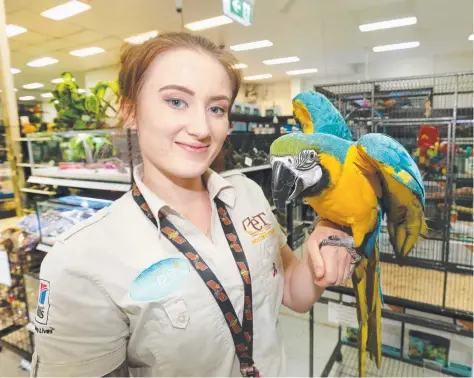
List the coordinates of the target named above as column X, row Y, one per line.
column 323, row 33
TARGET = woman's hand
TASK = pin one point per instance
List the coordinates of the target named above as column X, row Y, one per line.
column 331, row 265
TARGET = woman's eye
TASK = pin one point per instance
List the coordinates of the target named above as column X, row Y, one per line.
column 217, row 110
column 176, row 103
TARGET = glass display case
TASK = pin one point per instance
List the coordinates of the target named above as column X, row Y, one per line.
column 97, row 155
column 58, row 215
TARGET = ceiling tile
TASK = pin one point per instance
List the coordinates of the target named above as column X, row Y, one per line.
column 37, row 23
column 84, row 37
column 31, row 37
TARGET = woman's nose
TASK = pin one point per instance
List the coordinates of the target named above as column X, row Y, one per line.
column 199, row 125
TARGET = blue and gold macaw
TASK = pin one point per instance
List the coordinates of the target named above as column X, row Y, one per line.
column 353, row 184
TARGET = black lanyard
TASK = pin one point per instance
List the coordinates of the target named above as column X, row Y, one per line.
column 242, row 334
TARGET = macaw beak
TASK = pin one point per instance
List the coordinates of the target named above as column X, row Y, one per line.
column 285, row 185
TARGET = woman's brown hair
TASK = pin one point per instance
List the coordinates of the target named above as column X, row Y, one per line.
column 136, row 59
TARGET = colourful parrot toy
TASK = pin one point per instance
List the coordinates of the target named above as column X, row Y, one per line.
column 353, row 184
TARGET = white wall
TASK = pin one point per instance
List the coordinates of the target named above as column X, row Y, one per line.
column 102, row 74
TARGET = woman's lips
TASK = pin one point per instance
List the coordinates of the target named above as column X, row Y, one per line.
column 193, row 147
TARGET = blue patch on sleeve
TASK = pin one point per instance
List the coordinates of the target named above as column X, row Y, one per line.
column 159, row 280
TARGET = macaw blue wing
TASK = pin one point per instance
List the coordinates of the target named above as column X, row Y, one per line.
column 318, row 115
column 401, row 188
column 397, row 160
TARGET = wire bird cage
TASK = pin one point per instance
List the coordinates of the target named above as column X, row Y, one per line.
column 432, row 117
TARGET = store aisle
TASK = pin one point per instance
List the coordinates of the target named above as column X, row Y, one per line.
column 10, row 365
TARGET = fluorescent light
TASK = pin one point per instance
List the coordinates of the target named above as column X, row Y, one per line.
column 208, row 23
column 13, row 30
column 239, row 66
column 88, row 51
column 252, row 45
column 65, row 10
column 140, row 38
column 302, row 72
column 80, row 90
column 47, row 95
column 33, row 86
column 471, row 37
column 290, row 59
column 258, row 77
column 388, row 24
column 60, row 80
column 41, row 62
column 26, row 98
column 396, row 46
column 15, row 71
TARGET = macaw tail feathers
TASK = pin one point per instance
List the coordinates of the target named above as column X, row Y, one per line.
column 374, row 304
column 366, row 282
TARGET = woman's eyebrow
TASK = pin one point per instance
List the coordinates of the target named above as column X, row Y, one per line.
column 177, row 87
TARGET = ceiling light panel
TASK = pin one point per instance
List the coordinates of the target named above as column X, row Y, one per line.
column 88, row 51
column 33, row 85
column 140, row 38
column 26, row 98
column 252, row 45
column 397, row 46
column 258, row 77
column 388, row 24
column 13, row 30
column 66, row 10
column 41, row 62
column 302, row 72
column 208, row 23
column 471, row 37
column 289, row 59
column 47, row 95
column 81, row 90
column 15, row 71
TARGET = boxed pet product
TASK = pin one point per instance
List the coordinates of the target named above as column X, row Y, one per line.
column 450, row 351
column 273, row 111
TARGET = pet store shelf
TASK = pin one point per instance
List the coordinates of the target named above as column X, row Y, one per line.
column 248, row 169
column 44, row 248
column 97, row 185
column 38, row 191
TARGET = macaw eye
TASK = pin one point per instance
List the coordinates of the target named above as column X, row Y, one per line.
column 306, row 160
column 312, row 155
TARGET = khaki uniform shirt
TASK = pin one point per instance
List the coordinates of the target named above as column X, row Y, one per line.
column 114, row 289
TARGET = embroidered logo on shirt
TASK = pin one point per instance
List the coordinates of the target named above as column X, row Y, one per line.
column 42, row 310
column 159, row 280
column 258, row 227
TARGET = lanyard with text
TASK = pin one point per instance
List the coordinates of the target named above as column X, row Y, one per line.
column 242, row 334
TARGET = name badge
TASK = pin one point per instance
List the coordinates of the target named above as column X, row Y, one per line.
column 159, row 280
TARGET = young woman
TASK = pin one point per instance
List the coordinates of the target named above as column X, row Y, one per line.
column 185, row 274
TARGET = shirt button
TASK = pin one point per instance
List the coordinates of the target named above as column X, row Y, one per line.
column 181, row 319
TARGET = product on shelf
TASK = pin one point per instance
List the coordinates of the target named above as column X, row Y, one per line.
column 89, row 155
column 58, row 215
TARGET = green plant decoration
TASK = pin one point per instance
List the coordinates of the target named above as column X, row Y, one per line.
column 77, row 111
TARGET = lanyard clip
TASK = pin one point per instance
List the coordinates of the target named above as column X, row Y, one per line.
column 249, row 371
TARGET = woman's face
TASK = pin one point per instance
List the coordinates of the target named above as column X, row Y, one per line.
column 183, row 112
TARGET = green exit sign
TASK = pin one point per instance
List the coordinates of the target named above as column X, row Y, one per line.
column 240, row 11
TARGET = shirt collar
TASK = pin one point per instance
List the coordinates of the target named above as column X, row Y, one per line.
column 216, row 186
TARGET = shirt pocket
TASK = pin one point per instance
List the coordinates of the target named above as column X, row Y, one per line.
column 177, row 313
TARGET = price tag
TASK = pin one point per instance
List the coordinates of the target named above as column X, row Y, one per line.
column 5, row 276
column 248, row 162
column 343, row 315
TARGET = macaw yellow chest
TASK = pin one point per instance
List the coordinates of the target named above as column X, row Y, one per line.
column 350, row 200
